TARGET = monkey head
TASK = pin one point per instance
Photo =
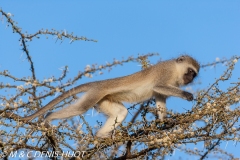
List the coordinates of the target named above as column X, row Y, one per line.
column 190, row 68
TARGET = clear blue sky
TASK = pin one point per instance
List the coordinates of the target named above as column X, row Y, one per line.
column 204, row 29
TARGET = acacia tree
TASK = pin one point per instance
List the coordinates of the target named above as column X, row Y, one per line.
column 210, row 120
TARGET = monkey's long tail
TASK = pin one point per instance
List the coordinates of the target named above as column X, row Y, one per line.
column 50, row 105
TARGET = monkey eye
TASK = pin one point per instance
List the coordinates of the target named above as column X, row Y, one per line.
column 191, row 70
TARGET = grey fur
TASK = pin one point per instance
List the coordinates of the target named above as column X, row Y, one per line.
column 160, row 81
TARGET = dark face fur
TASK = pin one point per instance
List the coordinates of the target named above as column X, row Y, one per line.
column 189, row 76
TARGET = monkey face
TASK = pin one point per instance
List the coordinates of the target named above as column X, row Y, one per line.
column 189, row 76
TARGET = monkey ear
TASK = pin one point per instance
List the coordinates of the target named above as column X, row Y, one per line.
column 180, row 59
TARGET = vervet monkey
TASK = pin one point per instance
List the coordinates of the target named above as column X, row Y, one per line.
column 159, row 81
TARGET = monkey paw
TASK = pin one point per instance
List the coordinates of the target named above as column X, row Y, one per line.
column 103, row 135
column 188, row 96
column 47, row 124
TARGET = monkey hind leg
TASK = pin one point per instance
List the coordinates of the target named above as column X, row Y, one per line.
column 115, row 112
column 81, row 106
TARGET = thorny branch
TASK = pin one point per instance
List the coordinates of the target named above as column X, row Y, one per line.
column 214, row 117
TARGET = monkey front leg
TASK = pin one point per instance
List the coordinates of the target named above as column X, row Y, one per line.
column 173, row 91
column 161, row 106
